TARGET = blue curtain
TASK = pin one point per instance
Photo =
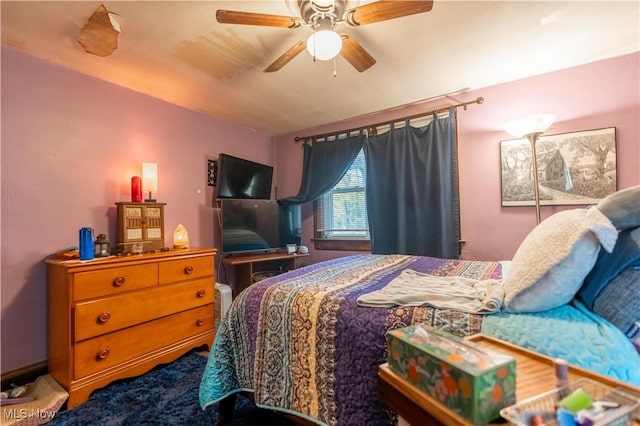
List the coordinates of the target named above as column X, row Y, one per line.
column 323, row 165
column 412, row 189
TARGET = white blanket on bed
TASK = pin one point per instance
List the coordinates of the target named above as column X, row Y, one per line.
column 412, row 288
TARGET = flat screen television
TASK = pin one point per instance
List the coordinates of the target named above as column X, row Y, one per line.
column 240, row 178
column 258, row 225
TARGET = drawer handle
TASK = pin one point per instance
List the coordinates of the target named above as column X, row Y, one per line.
column 201, row 292
column 118, row 282
column 188, row 270
column 103, row 354
column 200, row 322
column 104, row 317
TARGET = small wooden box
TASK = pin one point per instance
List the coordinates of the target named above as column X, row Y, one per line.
column 140, row 227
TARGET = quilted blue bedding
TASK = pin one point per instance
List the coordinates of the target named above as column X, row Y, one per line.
column 302, row 345
column 574, row 333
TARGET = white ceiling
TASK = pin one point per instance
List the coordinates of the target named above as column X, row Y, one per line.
column 177, row 51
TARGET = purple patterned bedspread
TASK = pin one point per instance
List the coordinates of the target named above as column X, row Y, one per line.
column 302, row 345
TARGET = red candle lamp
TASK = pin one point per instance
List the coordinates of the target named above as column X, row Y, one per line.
column 136, row 189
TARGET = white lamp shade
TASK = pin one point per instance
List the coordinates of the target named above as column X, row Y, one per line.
column 324, row 44
column 150, row 177
column 529, row 125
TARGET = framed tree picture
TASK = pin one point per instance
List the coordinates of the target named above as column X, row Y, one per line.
column 573, row 168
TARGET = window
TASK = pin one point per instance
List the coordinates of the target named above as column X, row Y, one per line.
column 341, row 214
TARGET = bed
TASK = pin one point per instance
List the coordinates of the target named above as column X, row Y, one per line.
column 301, row 343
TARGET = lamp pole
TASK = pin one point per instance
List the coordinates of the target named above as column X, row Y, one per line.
column 533, row 138
column 531, row 127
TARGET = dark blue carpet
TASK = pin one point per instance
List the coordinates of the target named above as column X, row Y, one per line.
column 167, row 395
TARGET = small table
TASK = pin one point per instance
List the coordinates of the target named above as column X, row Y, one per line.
column 244, row 265
column 535, row 374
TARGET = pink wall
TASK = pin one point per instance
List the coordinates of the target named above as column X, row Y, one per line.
column 70, row 144
column 597, row 95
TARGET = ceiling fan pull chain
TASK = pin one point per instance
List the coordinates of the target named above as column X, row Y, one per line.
column 335, row 73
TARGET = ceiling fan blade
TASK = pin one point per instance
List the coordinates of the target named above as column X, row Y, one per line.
column 355, row 54
column 384, row 10
column 248, row 18
column 287, row 56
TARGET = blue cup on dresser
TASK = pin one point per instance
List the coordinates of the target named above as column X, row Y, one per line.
column 86, row 243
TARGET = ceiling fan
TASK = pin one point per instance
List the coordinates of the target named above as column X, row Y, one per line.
column 323, row 17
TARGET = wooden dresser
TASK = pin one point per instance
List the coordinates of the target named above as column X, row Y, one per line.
column 119, row 317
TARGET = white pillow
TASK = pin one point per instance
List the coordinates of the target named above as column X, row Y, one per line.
column 553, row 260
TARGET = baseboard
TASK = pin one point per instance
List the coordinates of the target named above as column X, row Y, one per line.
column 24, row 375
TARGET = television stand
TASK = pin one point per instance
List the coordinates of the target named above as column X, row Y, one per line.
column 245, row 265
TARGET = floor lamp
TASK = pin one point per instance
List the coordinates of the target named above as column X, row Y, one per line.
column 531, row 127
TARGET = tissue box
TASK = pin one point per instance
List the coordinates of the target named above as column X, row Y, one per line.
column 470, row 380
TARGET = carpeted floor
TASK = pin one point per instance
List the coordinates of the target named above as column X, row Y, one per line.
column 167, row 395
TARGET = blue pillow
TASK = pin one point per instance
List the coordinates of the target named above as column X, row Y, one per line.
column 618, row 302
column 608, row 266
column 622, row 207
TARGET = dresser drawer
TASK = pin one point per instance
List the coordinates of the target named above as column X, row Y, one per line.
column 111, row 349
column 96, row 317
column 186, row 269
column 104, row 282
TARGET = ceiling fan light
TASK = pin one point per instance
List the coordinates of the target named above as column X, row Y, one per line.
column 324, row 44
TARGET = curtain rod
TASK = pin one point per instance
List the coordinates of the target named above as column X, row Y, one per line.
column 464, row 105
